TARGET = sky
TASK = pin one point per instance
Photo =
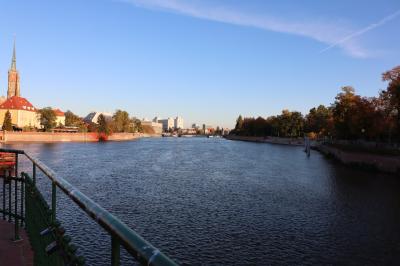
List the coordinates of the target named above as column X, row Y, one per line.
column 205, row 60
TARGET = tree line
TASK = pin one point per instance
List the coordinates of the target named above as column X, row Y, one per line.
column 120, row 122
column 349, row 117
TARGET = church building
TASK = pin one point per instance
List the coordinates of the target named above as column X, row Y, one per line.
column 23, row 113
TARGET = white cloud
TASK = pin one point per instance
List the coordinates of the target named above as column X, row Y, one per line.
column 321, row 31
column 362, row 31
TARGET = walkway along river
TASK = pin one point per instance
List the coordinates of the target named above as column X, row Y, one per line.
column 215, row 201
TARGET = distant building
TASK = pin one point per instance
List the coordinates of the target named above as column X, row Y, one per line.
column 189, row 131
column 155, row 126
column 60, row 117
column 225, row 131
column 170, row 123
column 167, row 124
column 93, row 116
column 23, row 114
column 178, row 123
column 2, row 99
column 208, row 129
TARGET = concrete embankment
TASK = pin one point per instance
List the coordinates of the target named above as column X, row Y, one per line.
column 383, row 163
column 273, row 140
column 12, row 137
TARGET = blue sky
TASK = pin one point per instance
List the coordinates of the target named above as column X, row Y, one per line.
column 205, row 60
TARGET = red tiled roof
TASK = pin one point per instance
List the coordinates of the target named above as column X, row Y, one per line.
column 58, row 112
column 18, row 103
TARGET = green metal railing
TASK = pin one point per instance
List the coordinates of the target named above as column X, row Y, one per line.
column 50, row 243
column 46, row 235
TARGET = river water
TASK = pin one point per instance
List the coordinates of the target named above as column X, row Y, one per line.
column 220, row 202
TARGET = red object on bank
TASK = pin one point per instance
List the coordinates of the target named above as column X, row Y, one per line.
column 7, row 163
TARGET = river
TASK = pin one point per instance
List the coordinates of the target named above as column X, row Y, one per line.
column 214, row 201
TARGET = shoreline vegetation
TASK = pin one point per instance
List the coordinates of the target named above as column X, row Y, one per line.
column 355, row 130
column 119, row 127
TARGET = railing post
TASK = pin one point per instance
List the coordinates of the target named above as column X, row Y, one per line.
column 53, row 201
column 16, row 222
column 34, row 173
column 16, row 164
column 22, row 199
column 9, row 196
column 4, row 196
column 115, row 251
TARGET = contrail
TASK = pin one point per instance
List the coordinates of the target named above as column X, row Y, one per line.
column 362, row 31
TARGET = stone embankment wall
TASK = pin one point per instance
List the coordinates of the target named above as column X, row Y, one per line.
column 7, row 137
column 273, row 140
column 383, row 163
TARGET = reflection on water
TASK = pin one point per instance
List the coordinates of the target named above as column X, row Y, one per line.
column 213, row 201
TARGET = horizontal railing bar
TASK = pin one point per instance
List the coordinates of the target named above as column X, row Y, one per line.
column 19, row 179
column 12, row 214
column 12, row 151
column 139, row 248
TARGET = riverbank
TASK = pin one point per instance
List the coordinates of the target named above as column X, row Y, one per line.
column 382, row 163
column 373, row 161
column 49, row 137
column 272, row 140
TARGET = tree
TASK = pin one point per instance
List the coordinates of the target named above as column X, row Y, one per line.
column 122, row 122
column 137, row 125
column 290, row 124
column 259, row 126
column 362, row 119
column 47, row 118
column 103, row 126
column 342, row 109
column 393, row 94
column 72, row 120
column 239, row 123
column 320, row 121
column 7, row 124
column 387, row 120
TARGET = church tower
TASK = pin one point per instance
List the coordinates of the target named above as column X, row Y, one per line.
column 13, row 78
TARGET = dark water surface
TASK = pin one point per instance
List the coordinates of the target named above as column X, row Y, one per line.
column 214, row 201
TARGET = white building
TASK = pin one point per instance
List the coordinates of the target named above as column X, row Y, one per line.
column 167, row 124
column 178, row 123
column 170, row 123
column 93, row 116
column 60, row 117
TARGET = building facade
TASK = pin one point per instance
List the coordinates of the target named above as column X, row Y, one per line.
column 170, row 123
column 60, row 117
column 167, row 124
column 23, row 113
column 178, row 123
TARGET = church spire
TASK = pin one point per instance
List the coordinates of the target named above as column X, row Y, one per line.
column 13, row 77
column 14, row 59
